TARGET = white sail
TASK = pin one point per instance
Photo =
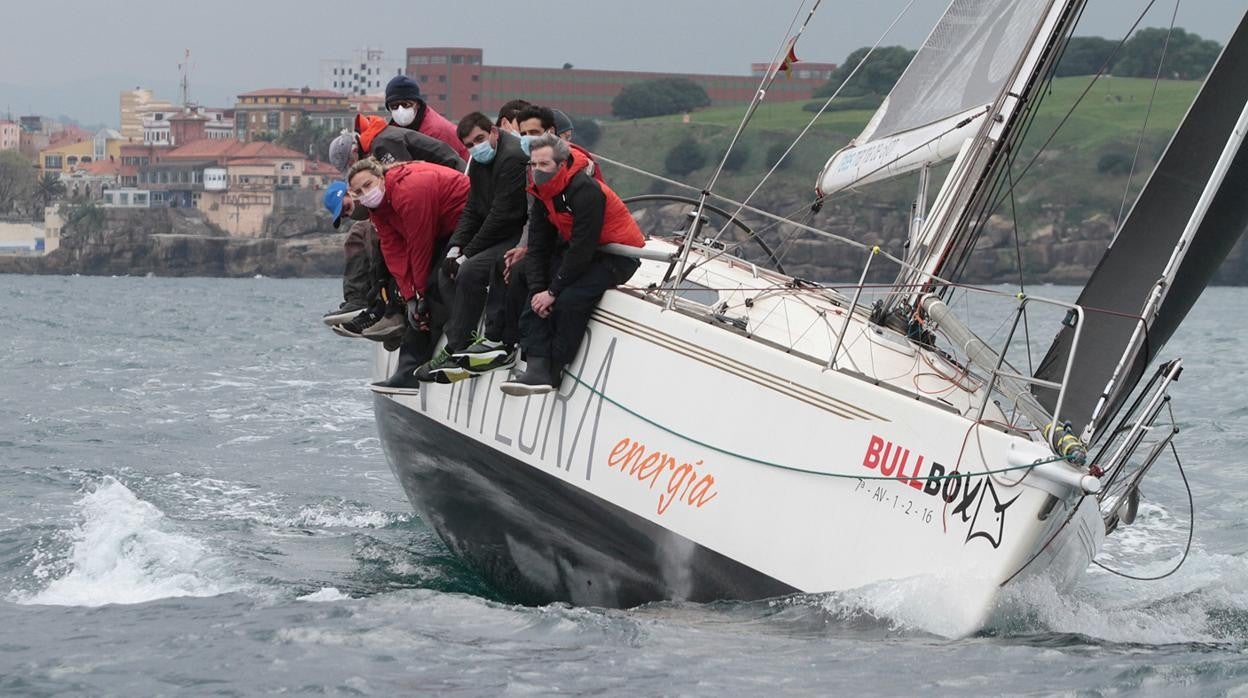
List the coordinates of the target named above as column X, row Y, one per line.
column 885, row 158
column 960, row 71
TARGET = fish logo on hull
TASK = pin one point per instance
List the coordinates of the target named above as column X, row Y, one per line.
column 975, row 499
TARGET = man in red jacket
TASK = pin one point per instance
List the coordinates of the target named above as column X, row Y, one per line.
column 415, row 207
column 572, row 215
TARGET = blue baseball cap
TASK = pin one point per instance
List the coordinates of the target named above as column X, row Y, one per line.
column 334, row 194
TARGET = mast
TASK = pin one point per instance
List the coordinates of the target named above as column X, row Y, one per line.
column 954, row 229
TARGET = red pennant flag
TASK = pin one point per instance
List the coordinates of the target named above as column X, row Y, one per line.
column 787, row 64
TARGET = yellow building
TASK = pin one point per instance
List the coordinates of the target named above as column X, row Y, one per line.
column 57, row 159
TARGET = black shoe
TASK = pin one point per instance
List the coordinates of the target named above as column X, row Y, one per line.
column 356, row 326
column 485, row 355
column 441, row 369
column 401, row 383
column 392, row 343
column 344, row 312
column 539, row 378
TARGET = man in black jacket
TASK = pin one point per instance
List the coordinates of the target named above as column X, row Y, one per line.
column 373, row 136
column 489, row 225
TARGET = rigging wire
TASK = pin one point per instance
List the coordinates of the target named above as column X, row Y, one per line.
column 1139, row 143
column 769, row 77
column 1079, row 100
column 904, row 11
column 1018, row 254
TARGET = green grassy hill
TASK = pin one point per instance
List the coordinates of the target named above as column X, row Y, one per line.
column 1108, row 121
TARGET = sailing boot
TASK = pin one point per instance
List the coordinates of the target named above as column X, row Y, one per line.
column 403, row 380
column 537, row 379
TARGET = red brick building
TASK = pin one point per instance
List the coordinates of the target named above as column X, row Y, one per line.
column 455, row 82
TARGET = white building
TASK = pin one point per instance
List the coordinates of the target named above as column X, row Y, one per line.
column 158, row 129
column 366, row 74
column 128, row 198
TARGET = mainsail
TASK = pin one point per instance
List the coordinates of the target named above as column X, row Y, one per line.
column 944, row 95
column 1187, row 218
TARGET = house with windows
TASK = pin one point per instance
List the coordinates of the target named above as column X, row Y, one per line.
column 365, row 73
column 271, row 112
column 65, row 154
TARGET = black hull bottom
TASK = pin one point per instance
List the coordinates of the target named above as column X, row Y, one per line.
column 538, row 539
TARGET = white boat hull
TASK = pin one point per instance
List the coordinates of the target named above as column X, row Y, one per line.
column 683, row 461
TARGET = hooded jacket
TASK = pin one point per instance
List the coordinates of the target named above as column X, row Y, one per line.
column 431, row 123
column 575, row 210
column 390, row 144
column 421, row 206
column 497, row 206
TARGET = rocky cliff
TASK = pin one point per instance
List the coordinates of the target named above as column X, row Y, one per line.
column 1059, row 249
column 298, row 242
column 179, row 242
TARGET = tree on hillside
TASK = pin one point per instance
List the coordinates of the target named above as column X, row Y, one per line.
column 17, row 180
column 876, row 77
column 47, row 189
column 659, row 97
column 308, row 138
column 685, row 157
column 1188, row 57
column 1085, row 55
column 585, row 131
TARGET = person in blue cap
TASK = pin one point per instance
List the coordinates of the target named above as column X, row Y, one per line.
column 365, row 296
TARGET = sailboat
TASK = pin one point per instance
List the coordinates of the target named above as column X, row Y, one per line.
column 730, row 432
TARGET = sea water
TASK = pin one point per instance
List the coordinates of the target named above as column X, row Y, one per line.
column 193, row 500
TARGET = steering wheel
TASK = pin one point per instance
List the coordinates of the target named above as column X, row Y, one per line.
column 737, row 222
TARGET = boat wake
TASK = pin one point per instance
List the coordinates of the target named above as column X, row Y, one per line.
column 124, row 551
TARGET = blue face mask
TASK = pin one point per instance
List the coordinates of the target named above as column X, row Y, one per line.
column 526, row 142
column 482, row 152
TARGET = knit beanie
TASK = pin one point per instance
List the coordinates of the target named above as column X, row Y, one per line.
column 402, row 88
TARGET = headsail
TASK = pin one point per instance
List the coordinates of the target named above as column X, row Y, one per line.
column 944, row 95
column 1187, row 218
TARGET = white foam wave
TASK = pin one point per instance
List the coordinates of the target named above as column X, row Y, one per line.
column 951, row 605
column 325, row 594
column 338, row 515
column 125, row 551
column 1182, row 608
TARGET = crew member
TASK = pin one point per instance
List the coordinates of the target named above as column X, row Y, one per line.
column 408, row 109
column 490, row 225
column 415, row 207
column 572, row 215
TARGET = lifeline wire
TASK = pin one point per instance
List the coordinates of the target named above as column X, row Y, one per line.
column 1191, row 530
column 759, row 461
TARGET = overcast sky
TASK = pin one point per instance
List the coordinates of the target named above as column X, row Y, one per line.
column 73, row 57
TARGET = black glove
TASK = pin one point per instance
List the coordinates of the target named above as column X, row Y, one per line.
column 450, row 265
column 418, row 314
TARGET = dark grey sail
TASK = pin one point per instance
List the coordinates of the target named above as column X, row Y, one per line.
column 1120, row 286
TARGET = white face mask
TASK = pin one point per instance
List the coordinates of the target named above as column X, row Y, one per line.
column 372, row 198
column 403, row 116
